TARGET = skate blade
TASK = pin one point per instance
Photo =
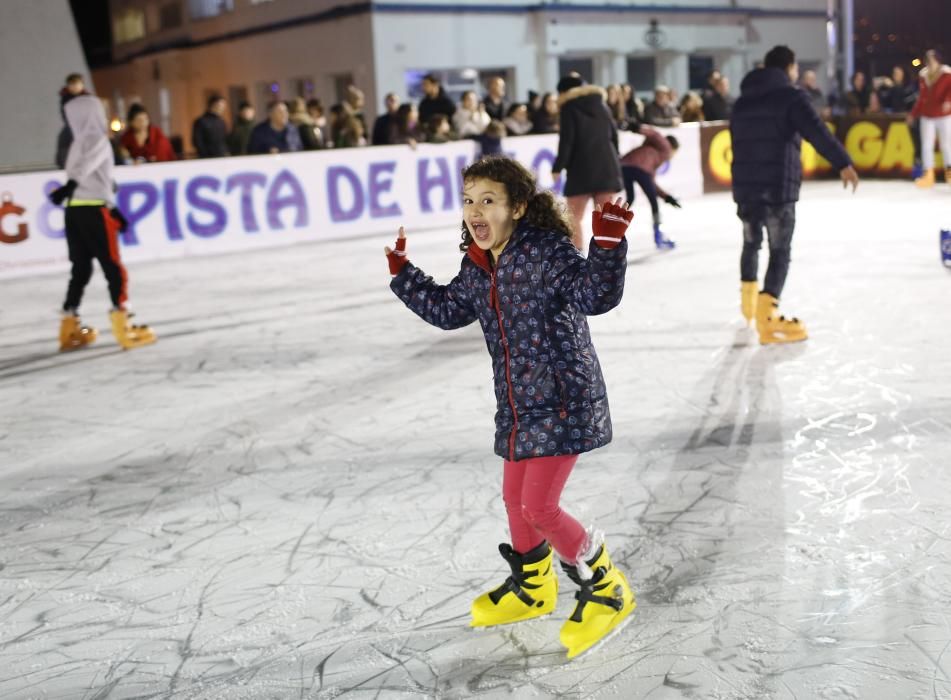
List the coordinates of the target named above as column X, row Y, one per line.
column 774, row 340
column 483, row 625
column 138, row 343
column 596, row 644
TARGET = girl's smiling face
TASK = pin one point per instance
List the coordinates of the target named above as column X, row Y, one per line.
column 488, row 214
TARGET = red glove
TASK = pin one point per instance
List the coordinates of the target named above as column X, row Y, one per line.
column 397, row 258
column 610, row 222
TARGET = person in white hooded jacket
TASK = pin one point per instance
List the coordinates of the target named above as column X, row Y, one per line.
column 93, row 224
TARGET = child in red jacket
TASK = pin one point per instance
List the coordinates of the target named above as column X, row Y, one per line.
column 641, row 165
column 934, row 109
column 531, row 290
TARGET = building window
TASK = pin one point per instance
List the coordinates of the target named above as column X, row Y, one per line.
column 170, row 16
column 642, row 73
column 300, row 87
column 700, row 67
column 128, row 25
column 199, row 9
column 582, row 66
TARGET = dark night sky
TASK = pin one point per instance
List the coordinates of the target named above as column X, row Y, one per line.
column 915, row 25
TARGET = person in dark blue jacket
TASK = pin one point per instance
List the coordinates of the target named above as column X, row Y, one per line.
column 531, row 290
column 769, row 121
column 275, row 134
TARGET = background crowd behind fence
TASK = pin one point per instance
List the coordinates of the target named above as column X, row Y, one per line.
column 297, row 124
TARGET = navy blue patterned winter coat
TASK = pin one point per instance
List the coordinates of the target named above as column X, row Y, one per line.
column 532, row 306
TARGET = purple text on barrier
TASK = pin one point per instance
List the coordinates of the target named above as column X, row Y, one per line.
column 442, row 179
column 293, row 199
column 47, row 208
column 135, row 200
column 194, row 197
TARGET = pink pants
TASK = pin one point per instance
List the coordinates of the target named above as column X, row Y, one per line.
column 576, row 205
column 531, row 489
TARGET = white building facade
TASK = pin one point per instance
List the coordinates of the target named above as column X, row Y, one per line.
column 171, row 54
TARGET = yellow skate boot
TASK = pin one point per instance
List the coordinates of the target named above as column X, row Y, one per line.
column 605, row 601
column 73, row 335
column 531, row 591
column 774, row 328
column 947, row 176
column 926, row 180
column 749, row 291
column 128, row 335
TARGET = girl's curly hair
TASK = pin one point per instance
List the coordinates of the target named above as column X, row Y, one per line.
column 542, row 209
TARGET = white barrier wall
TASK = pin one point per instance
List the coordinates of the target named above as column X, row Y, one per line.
column 204, row 207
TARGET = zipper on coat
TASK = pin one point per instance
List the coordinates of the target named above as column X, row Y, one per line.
column 494, row 300
column 562, row 394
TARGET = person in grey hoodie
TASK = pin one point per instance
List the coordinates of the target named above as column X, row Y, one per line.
column 93, row 224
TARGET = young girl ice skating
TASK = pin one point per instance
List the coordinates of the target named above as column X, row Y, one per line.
column 530, row 289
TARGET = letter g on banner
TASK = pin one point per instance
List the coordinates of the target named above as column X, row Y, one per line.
column 9, row 208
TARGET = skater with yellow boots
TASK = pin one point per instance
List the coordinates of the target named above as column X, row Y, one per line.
column 769, row 120
column 933, row 112
column 551, row 396
column 93, row 225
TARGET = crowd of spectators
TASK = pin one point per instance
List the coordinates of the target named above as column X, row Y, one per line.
column 304, row 125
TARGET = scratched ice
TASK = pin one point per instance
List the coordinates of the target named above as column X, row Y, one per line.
column 292, row 495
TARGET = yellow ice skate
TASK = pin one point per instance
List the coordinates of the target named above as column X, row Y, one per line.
column 604, row 602
column 926, row 180
column 531, row 591
column 749, row 291
column 947, row 176
column 73, row 335
column 774, row 328
column 128, row 335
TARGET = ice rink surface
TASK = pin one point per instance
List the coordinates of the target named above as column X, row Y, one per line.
column 293, row 494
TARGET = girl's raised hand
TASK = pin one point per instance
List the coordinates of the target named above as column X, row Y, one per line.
column 397, row 257
column 610, row 222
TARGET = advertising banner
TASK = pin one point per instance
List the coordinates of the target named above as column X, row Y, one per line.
column 200, row 207
column 881, row 146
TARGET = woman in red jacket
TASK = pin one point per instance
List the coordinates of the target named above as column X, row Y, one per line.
column 934, row 109
column 143, row 142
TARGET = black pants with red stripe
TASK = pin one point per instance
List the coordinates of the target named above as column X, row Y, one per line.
column 92, row 234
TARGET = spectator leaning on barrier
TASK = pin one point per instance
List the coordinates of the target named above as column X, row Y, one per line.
column 381, row 127
column 356, row 103
column 616, row 106
column 710, row 88
column 241, row 131
column 276, row 134
column 142, row 141
column 516, row 121
column 490, row 141
column 435, row 102
column 810, row 85
column 495, row 105
column 691, row 108
column 661, row 112
column 404, row 129
column 209, row 132
column 73, row 87
column 304, row 123
column 545, row 120
column 718, row 105
column 439, row 130
column 856, row 99
column 898, row 95
column 471, row 118
column 633, row 106
column 770, row 119
column 587, row 149
column 933, row 109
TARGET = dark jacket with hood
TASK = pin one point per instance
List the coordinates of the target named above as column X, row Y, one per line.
column 210, row 136
column 587, row 143
column 532, row 306
column 769, row 121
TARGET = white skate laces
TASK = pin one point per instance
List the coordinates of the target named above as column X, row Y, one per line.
column 592, row 545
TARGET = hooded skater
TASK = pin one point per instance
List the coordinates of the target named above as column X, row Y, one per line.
column 92, row 227
column 531, row 291
column 587, row 149
column 769, row 121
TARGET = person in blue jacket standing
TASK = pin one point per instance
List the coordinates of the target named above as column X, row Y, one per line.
column 769, row 121
column 531, row 290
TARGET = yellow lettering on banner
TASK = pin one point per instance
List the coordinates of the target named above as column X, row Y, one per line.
column 864, row 144
column 721, row 157
column 812, row 162
column 899, row 149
